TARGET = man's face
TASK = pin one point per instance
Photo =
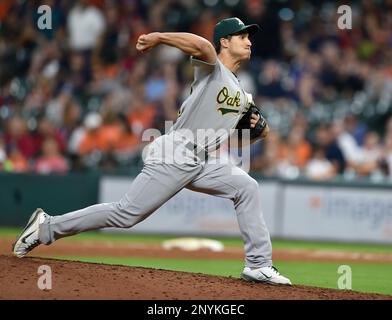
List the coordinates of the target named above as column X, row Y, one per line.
column 239, row 46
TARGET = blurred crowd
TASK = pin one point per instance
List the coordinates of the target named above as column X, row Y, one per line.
column 78, row 96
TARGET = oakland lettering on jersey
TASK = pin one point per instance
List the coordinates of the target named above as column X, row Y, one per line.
column 232, row 102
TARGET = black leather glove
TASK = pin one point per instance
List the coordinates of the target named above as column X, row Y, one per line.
column 261, row 129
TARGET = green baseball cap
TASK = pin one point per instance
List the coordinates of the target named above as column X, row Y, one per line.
column 231, row 26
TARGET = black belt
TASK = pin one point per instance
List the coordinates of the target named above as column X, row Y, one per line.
column 198, row 151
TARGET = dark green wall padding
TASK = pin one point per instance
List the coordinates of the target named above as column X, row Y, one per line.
column 21, row 194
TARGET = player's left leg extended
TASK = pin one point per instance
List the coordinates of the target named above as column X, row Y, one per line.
column 156, row 183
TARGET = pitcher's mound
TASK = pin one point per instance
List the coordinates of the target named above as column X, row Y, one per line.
column 19, row 279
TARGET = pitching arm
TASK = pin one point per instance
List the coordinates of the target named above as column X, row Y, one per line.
column 189, row 43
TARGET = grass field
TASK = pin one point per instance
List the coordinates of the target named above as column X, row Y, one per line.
column 230, row 242
column 366, row 277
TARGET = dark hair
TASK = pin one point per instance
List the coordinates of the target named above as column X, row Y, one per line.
column 218, row 45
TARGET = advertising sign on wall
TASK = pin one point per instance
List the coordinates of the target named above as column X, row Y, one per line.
column 336, row 213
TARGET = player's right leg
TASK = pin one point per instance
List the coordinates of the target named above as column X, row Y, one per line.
column 226, row 181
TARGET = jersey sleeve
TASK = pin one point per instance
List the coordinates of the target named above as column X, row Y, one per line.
column 202, row 68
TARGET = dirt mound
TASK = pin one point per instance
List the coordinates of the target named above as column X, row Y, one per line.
column 77, row 280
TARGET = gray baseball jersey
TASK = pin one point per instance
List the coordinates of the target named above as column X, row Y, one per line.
column 214, row 105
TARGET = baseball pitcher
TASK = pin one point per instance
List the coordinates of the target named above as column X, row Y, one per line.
column 181, row 158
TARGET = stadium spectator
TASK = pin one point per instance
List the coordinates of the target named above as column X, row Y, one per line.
column 141, row 115
column 326, row 140
column 51, row 160
column 297, row 149
column 356, row 128
column 18, row 139
column 319, row 167
column 46, row 129
column 16, row 161
column 347, row 144
column 369, row 156
column 89, row 139
column 85, row 25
